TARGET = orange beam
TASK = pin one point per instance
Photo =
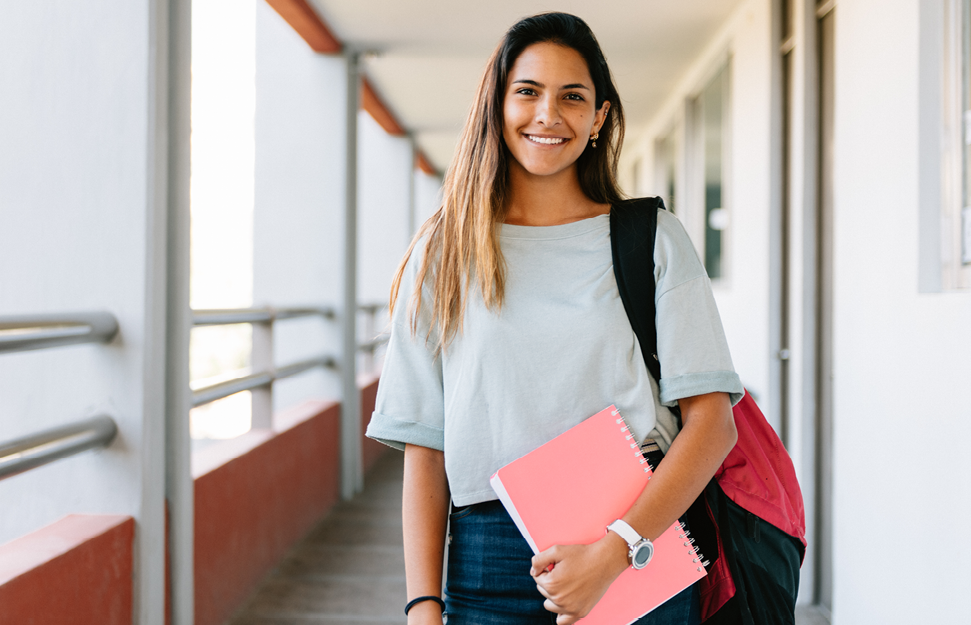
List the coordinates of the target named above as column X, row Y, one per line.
column 377, row 109
column 425, row 165
column 304, row 19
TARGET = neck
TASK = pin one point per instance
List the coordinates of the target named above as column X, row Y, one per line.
column 547, row 200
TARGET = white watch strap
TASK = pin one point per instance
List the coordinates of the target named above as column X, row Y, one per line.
column 625, row 531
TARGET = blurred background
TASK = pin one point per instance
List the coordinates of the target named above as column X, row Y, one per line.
column 203, row 203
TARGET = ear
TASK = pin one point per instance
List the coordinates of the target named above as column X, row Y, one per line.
column 601, row 116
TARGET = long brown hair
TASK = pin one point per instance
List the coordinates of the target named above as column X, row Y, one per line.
column 461, row 240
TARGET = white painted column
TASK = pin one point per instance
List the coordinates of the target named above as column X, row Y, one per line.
column 413, row 189
column 179, row 486
column 352, row 478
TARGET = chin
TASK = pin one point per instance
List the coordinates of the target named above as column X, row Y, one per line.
column 539, row 167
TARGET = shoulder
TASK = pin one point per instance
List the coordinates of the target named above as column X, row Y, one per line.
column 676, row 260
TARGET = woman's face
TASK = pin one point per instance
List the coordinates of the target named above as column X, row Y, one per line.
column 549, row 110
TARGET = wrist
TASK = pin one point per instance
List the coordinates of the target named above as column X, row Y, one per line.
column 616, row 551
column 425, row 612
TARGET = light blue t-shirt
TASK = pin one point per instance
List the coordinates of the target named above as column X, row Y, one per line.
column 560, row 350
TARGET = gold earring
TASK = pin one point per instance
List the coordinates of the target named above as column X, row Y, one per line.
column 594, row 138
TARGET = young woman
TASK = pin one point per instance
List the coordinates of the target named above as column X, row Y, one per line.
column 508, row 329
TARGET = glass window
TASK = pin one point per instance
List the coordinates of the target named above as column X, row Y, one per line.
column 956, row 222
column 714, row 122
column 667, row 171
column 963, row 220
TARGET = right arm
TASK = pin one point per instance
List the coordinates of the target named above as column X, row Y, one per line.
column 424, row 517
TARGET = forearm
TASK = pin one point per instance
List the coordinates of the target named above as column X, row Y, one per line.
column 424, row 515
column 708, row 434
column 582, row 573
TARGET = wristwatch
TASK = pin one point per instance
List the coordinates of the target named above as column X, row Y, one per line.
column 641, row 549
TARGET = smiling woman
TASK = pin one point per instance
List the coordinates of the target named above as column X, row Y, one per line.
column 513, row 331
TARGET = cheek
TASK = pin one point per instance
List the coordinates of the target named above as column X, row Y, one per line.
column 512, row 117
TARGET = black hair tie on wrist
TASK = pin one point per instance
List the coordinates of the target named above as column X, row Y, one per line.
column 412, row 603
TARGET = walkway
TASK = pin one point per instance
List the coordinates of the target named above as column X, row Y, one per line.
column 350, row 569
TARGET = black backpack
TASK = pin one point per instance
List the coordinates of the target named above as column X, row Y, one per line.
column 749, row 559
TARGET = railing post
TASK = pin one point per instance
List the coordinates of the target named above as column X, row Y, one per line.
column 262, row 360
column 352, row 478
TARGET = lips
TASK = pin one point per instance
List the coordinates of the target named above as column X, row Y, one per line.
column 546, row 140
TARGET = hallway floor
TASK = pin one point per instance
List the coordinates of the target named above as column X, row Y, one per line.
column 350, row 569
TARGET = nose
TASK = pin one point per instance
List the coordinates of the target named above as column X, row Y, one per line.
column 548, row 111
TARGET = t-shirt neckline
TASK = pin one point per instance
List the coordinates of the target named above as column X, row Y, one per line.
column 561, row 231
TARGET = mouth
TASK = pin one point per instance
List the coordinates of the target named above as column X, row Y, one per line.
column 546, row 140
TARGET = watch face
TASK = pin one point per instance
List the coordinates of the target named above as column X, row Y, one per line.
column 643, row 552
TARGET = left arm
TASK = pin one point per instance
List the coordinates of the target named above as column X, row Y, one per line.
column 583, row 572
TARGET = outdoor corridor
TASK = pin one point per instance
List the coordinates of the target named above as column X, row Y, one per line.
column 204, row 204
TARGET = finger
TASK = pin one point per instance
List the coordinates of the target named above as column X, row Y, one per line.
column 543, row 591
column 552, row 607
column 566, row 619
column 543, row 561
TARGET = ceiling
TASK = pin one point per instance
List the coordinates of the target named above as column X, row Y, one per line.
column 428, row 55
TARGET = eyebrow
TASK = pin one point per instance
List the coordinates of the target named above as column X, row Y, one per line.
column 575, row 85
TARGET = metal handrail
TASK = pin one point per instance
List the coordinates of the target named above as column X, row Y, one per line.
column 29, row 452
column 228, row 316
column 266, row 376
column 28, row 332
column 212, row 392
column 371, row 309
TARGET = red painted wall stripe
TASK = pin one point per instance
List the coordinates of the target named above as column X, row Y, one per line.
column 75, row 571
column 251, row 507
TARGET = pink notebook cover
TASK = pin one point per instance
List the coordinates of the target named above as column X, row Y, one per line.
column 571, row 488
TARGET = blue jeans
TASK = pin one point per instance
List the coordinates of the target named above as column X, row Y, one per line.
column 488, row 581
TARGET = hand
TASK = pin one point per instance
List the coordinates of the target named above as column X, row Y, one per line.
column 580, row 576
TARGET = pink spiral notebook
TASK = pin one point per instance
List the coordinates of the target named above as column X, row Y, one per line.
column 571, row 488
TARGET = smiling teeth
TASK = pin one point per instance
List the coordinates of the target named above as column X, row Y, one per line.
column 546, row 140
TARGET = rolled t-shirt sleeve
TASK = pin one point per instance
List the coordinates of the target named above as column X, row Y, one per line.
column 692, row 347
column 410, row 405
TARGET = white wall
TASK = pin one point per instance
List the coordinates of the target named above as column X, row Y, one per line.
column 743, row 294
column 298, row 236
column 385, row 164
column 82, row 227
column 902, row 405
column 428, row 196
column 902, row 359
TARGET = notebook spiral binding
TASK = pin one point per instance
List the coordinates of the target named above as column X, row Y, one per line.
column 693, row 551
column 685, row 535
column 629, row 436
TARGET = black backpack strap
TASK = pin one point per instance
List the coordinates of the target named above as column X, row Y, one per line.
column 633, row 226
